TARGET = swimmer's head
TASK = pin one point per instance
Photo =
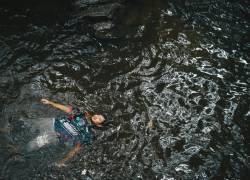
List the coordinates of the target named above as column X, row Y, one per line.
column 98, row 119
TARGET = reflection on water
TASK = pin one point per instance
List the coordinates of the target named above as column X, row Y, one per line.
column 44, row 133
column 173, row 77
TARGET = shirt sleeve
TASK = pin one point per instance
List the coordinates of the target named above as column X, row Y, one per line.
column 74, row 110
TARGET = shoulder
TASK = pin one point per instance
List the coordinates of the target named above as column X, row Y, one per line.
column 74, row 110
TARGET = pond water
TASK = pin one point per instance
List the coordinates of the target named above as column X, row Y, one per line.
column 172, row 76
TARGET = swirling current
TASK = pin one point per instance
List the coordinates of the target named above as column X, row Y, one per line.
column 173, row 77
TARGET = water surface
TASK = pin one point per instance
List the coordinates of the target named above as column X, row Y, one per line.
column 182, row 66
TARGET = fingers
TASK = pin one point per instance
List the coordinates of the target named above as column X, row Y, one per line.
column 44, row 100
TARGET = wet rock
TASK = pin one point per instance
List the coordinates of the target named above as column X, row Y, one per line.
column 85, row 3
column 101, row 11
column 105, row 35
column 103, row 26
column 103, row 30
column 91, row 2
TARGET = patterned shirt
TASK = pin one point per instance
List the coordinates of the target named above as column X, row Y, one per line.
column 74, row 128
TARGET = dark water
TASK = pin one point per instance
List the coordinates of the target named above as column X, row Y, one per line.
column 183, row 65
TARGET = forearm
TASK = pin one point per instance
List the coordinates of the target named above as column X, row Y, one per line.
column 64, row 108
column 70, row 155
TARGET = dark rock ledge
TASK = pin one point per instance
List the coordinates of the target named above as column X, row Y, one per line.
column 101, row 11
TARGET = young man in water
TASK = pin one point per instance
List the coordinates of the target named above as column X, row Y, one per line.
column 76, row 127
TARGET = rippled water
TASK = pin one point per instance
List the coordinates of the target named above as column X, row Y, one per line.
column 183, row 66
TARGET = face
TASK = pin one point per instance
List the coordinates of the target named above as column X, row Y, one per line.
column 97, row 119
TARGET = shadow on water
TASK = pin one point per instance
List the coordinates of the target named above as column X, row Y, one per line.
column 173, row 77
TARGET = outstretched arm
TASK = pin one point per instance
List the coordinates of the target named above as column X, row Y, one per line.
column 64, row 108
column 70, row 155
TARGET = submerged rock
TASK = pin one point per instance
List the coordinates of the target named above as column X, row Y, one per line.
column 101, row 11
column 103, row 26
column 84, row 3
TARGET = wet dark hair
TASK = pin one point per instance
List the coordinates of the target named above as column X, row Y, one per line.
column 105, row 118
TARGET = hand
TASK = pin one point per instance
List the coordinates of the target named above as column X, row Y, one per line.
column 45, row 101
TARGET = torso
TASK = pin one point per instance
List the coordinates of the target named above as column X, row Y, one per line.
column 75, row 128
